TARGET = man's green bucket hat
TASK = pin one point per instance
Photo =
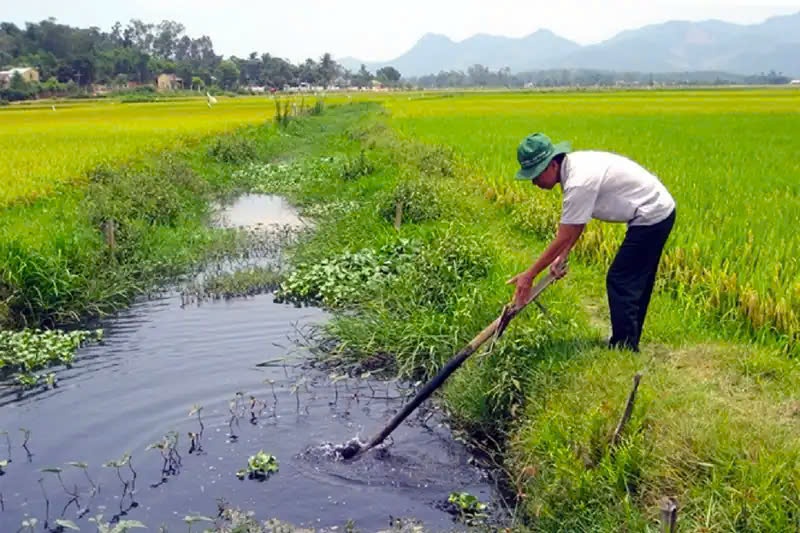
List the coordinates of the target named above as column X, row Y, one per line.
column 535, row 152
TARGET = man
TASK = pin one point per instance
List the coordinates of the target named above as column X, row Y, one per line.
column 612, row 188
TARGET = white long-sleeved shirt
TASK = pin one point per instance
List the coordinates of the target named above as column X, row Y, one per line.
column 610, row 187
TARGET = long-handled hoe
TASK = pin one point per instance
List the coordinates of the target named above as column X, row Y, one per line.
column 355, row 448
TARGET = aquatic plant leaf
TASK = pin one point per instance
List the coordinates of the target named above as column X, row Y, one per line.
column 78, row 464
column 67, row 524
column 196, row 518
column 124, row 525
column 51, row 470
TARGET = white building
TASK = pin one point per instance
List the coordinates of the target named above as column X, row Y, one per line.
column 28, row 75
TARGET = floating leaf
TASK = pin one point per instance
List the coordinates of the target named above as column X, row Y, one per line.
column 51, row 470
column 78, row 464
column 67, row 524
column 195, row 409
column 197, row 518
column 124, row 525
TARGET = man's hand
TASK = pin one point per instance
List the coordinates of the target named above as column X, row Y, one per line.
column 559, row 267
column 524, row 282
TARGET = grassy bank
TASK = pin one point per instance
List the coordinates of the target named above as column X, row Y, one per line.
column 713, row 424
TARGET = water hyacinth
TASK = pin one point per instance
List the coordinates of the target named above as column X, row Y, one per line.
column 288, row 177
column 30, row 350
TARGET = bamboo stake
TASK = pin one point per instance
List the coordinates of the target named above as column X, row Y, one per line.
column 626, row 415
column 669, row 515
column 398, row 215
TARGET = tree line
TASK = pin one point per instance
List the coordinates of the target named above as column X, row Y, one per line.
column 481, row 76
column 139, row 51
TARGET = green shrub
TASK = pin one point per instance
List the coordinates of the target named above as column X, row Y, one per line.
column 420, row 201
column 235, row 148
column 355, row 167
column 159, row 193
column 434, row 161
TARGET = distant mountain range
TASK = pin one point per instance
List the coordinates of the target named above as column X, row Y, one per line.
column 675, row 46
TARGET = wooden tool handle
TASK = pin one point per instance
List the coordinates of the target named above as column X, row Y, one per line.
column 509, row 312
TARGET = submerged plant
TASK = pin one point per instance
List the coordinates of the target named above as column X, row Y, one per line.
column 29, row 524
column 260, row 466
column 26, row 435
column 8, row 443
column 168, row 446
column 197, row 410
column 57, row 471
column 85, row 467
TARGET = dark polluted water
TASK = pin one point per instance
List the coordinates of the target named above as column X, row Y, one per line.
column 241, row 362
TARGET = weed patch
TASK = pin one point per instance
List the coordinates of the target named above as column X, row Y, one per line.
column 233, row 149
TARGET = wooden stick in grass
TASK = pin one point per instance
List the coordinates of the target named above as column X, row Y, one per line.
column 398, row 215
column 669, row 515
column 626, row 415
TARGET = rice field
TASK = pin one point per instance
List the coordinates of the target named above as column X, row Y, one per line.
column 729, row 157
column 43, row 148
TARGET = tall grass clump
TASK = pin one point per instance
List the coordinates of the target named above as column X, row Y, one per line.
column 417, row 199
column 235, row 148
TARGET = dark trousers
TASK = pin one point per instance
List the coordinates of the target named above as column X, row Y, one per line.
column 630, row 281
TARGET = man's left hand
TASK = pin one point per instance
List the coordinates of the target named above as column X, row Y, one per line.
column 558, row 268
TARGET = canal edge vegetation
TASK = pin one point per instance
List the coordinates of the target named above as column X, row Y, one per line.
column 415, row 258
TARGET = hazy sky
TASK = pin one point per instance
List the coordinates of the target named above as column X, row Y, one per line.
column 382, row 30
